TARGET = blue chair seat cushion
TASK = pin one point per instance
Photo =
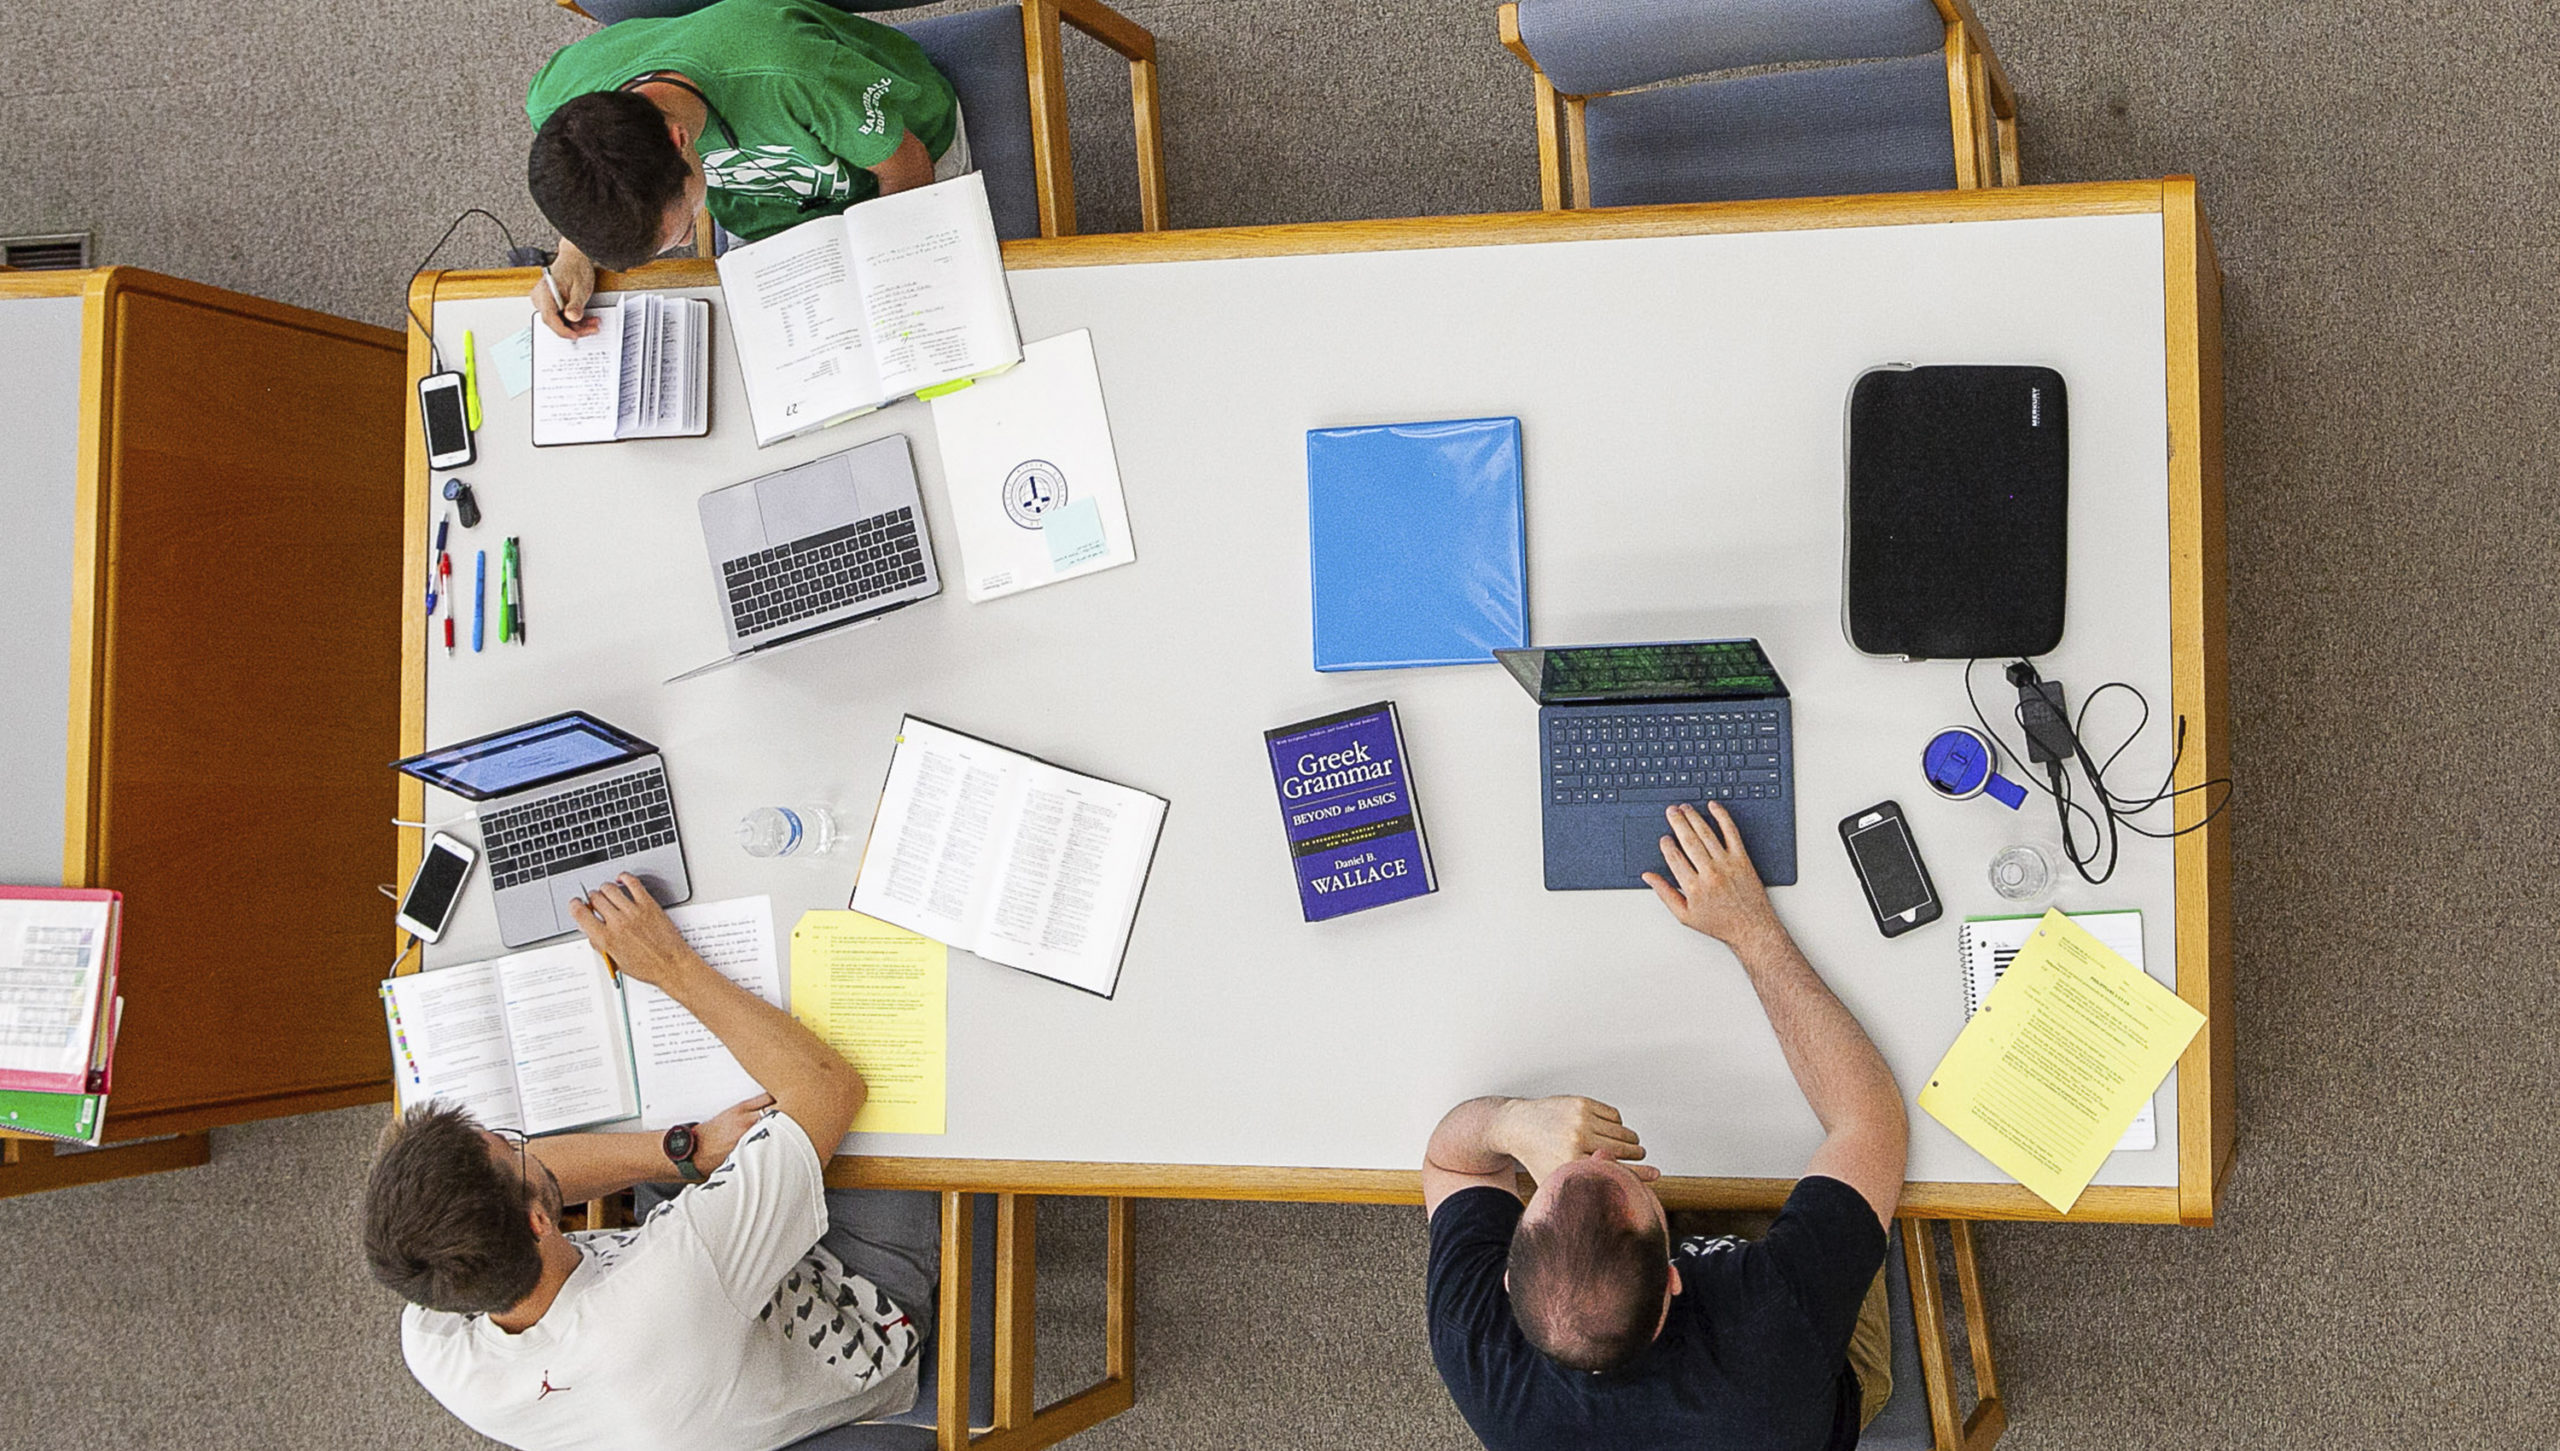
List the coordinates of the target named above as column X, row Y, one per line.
column 980, row 52
column 1840, row 130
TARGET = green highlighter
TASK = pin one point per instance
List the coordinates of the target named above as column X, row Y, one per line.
column 507, row 591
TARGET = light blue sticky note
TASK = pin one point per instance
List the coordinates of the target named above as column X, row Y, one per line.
column 1073, row 534
column 514, row 359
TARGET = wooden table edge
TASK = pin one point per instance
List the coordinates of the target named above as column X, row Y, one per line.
column 2198, row 663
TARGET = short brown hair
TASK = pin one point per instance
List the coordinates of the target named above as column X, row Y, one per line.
column 444, row 1222
column 1588, row 1278
column 604, row 170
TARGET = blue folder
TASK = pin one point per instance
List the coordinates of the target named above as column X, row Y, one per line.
column 1417, row 543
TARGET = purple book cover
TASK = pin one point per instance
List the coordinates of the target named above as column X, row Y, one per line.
column 1346, row 798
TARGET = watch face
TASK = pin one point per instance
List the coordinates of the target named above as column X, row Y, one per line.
column 680, row 1142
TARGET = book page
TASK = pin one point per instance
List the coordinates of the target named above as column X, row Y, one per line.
column 2044, row 1080
column 879, row 995
column 572, row 1064
column 577, row 382
column 684, row 1073
column 449, row 1042
column 1067, row 885
column 934, row 839
column 803, row 347
column 639, row 380
column 933, row 290
column 52, row 952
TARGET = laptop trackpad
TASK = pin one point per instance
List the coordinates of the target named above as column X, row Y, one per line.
column 808, row 500
column 568, row 888
column 1645, row 830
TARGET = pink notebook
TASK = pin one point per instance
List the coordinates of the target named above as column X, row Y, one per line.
column 58, row 962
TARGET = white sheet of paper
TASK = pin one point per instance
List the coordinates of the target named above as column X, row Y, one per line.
column 581, row 381
column 1024, row 444
column 685, row 1075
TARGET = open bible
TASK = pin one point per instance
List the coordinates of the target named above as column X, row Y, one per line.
column 842, row 314
column 1004, row 855
column 551, row 1039
column 645, row 372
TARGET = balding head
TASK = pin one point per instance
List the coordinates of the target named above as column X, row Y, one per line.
column 1590, row 1275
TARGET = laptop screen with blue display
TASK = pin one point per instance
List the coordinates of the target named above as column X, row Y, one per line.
column 525, row 756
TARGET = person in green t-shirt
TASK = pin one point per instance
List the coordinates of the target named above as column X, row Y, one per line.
column 768, row 111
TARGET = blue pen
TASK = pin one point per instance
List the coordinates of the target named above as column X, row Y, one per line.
column 431, row 568
column 479, row 597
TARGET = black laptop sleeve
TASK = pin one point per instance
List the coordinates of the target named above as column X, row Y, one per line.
column 1958, row 496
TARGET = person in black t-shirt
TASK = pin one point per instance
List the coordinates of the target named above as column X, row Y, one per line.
column 1575, row 1323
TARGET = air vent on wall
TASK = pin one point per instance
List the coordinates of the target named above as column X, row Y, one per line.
column 66, row 250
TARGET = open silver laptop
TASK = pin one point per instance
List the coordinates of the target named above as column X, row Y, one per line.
column 567, row 803
column 818, row 545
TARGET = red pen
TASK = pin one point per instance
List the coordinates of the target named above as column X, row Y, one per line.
column 444, row 571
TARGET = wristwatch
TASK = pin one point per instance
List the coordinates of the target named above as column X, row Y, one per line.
column 679, row 1144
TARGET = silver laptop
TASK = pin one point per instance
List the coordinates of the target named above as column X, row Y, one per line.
column 818, row 545
column 567, row 804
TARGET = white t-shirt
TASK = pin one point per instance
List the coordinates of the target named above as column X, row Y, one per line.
column 719, row 1325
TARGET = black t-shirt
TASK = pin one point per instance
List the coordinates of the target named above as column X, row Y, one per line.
column 1755, row 1353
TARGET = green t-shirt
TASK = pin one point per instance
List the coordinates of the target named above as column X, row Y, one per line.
column 803, row 98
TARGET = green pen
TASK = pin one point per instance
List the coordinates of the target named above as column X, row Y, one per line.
column 507, row 591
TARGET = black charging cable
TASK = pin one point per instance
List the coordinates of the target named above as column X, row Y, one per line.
column 517, row 256
column 2056, row 738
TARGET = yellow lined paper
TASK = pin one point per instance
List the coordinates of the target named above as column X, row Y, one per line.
column 879, row 995
column 2065, row 1051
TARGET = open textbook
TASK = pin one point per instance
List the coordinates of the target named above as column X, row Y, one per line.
column 645, row 372
column 842, row 314
column 550, row 1039
column 1004, row 855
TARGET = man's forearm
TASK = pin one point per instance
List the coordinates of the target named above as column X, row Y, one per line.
column 782, row 1056
column 1468, row 1140
column 1836, row 1066
column 591, row 1166
column 908, row 167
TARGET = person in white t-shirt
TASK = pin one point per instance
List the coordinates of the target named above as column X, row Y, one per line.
column 752, row 1309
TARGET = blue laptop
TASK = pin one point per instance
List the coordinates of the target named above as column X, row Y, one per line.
column 1629, row 729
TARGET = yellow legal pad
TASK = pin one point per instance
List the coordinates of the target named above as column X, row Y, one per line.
column 2044, row 1079
column 879, row 995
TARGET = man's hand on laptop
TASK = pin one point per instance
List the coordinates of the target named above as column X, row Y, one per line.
column 1713, row 888
column 628, row 926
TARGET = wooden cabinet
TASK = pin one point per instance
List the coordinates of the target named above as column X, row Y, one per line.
column 202, row 589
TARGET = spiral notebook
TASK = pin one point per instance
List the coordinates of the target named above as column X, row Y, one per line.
column 1987, row 944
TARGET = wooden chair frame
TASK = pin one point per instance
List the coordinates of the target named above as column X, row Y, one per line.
column 1052, row 158
column 1982, row 113
column 1978, row 1431
column 1020, row 1424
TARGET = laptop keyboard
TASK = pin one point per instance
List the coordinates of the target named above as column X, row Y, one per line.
column 824, row 572
column 617, row 818
column 1725, row 754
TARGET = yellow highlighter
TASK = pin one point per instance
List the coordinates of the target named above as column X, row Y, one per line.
column 470, row 384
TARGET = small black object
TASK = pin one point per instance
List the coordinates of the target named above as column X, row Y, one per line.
column 2045, row 715
column 530, row 256
column 463, row 503
column 1958, row 500
column 1889, row 869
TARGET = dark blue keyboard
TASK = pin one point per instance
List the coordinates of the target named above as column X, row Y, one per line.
column 1720, row 753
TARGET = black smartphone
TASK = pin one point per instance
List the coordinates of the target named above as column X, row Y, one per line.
column 1888, row 864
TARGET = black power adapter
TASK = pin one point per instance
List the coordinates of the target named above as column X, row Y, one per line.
column 2046, row 717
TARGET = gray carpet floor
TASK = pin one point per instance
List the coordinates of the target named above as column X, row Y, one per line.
column 2385, row 1272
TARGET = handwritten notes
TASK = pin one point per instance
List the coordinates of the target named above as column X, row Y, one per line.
column 2066, row 1049
column 878, row 995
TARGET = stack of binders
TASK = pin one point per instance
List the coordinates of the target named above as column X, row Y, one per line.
column 60, row 1012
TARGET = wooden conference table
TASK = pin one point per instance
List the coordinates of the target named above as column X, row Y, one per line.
column 1681, row 376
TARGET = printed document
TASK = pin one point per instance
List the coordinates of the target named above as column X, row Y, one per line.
column 2045, row 1079
column 1033, row 480
column 879, row 995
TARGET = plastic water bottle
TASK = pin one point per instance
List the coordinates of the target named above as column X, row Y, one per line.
column 2023, row 874
column 777, row 831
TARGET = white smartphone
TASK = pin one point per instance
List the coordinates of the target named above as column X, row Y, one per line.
column 428, row 904
column 447, row 425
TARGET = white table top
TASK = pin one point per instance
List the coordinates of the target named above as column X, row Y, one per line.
column 39, row 491
column 1681, row 401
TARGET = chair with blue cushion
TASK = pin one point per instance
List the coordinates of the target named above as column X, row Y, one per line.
column 1005, row 63
column 974, row 1387
column 1651, row 101
column 1921, row 1414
